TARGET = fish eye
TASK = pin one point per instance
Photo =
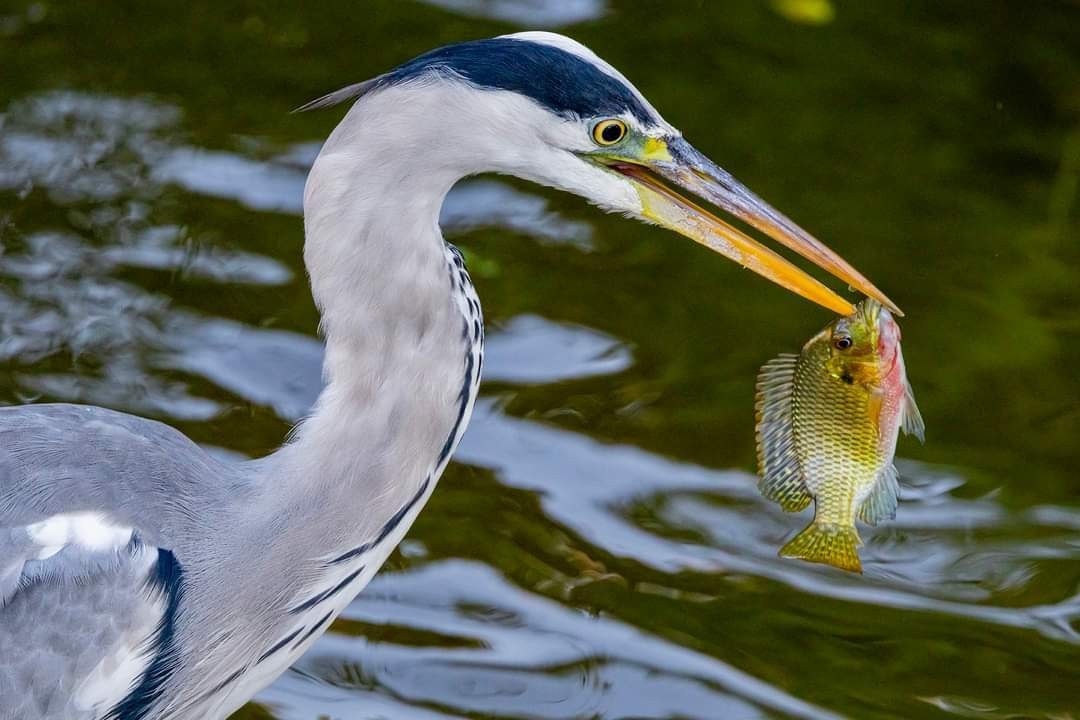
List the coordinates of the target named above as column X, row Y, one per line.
column 842, row 343
column 609, row 132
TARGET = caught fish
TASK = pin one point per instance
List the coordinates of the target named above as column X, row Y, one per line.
column 827, row 423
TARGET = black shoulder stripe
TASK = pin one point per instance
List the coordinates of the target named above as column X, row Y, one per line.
column 325, row 594
column 386, row 529
column 166, row 579
column 281, row 643
column 313, row 630
column 444, row 453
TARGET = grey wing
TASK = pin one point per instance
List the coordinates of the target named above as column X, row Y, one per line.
column 91, row 503
column 81, row 629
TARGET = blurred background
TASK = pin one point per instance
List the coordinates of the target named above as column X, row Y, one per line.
column 599, row 549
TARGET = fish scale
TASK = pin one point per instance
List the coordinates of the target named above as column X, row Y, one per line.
column 827, row 425
column 840, row 458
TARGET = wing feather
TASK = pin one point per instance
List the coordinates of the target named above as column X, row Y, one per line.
column 93, row 505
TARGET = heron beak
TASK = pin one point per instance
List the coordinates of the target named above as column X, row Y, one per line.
column 677, row 161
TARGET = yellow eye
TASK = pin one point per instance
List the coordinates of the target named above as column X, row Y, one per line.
column 609, row 132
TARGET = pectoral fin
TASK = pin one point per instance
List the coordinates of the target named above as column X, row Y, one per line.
column 911, row 420
column 781, row 474
column 881, row 503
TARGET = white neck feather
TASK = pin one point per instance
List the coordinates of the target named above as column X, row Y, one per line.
column 378, row 265
column 395, row 350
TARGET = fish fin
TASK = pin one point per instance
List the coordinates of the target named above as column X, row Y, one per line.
column 781, row 475
column 911, row 420
column 881, row 503
column 826, row 543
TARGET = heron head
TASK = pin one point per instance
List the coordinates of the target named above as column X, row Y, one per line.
column 543, row 107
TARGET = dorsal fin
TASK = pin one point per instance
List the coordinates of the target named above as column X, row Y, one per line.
column 881, row 503
column 781, row 475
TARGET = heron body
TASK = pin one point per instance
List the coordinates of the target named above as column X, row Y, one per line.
column 142, row 578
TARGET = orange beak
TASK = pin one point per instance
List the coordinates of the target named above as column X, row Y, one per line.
column 677, row 161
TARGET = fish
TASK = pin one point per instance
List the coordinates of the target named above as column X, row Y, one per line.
column 828, row 420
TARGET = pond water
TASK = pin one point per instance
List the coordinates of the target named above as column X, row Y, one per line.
column 598, row 548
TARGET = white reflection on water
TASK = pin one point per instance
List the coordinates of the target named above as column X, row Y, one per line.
column 528, row 13
column 88, row 147
column 279, row 186
column 525, row 656
column 282, row 369
column 589, row 486
column 67, row 141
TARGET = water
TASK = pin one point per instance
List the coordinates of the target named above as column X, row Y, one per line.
column 598, row 549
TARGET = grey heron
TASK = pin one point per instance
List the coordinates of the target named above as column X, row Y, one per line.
column 142, row 578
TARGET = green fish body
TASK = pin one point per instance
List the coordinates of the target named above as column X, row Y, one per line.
column 827, row 424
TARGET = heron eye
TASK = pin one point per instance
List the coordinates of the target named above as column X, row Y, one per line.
column 609, row 132
column 842, row 343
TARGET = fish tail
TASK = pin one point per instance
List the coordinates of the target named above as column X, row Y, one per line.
column 827, row 543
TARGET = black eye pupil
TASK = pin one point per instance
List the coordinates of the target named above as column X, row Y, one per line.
column 611, row 133
column 843, row 343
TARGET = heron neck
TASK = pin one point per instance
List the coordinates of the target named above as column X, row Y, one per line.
column 395, row 348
